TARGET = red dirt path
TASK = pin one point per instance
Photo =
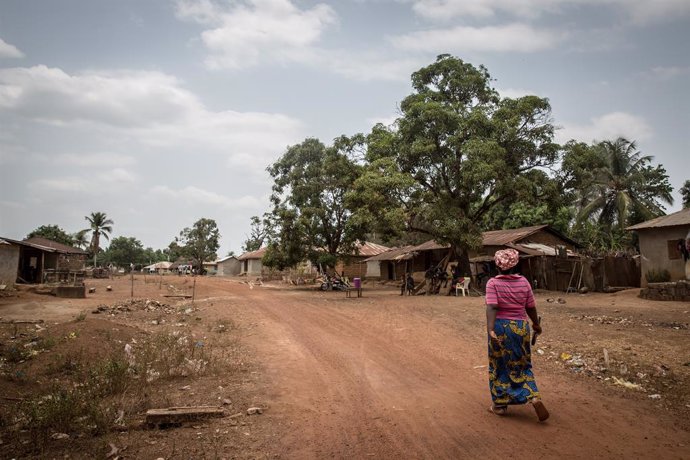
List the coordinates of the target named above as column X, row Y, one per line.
column 386, row 376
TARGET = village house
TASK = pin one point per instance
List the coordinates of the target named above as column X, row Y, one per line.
column 228, row 266
column 39, row 260
column 548, row 259
column 251, row 264
column 354, row 265
column 661, row 245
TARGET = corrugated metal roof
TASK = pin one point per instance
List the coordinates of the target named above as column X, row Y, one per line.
column 391, row 254
column 681, row 217
column 430, row 246
column 503, row 237
column 258, row 254
column 368, row 249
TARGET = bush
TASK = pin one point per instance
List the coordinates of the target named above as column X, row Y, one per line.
column 658, row 276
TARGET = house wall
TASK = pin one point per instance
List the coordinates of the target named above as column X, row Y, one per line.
column 656, row 254
column 254, row 266
column 354, row 267
column 9, row 262
column 229, row 267
column 71, row 262
column 374, row 269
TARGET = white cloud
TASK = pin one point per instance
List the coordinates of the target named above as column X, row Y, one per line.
column 669, row 73
column 510, row 37
column 65, row 184
column 515, row 93
column 126, row 99
column 607, row 127
column 385, row 120
column 253, row 31
column 117, row 175
column 148, row 109
column 638, row 11
column 95, row 159
column 9, row 51
column 191, row 195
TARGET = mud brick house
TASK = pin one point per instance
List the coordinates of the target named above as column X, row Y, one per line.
column 354, row 265
column 251, row 262
column 228, row 266
column 661, row 245
column 38, row 260
column 534, row 243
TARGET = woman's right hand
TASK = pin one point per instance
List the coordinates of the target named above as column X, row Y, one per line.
column 536, row 327
column 493, row 336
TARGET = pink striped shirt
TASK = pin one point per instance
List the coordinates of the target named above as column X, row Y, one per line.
column 512, row 294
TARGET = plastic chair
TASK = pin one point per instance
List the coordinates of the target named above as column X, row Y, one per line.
column 463, row 286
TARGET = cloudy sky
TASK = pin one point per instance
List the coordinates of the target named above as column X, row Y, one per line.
column 160, row 112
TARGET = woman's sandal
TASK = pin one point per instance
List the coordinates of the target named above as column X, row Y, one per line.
column 540, row 409
column 498, row 410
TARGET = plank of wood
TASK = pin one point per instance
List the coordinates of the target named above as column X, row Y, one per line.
column 185, row 296
column 179, row 415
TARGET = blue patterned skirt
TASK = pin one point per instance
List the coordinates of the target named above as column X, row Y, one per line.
column 510, row 365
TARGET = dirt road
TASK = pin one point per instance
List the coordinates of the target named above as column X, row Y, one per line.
column 385, row 376
column 406, row 377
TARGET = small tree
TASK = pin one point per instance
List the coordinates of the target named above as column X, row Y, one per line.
column 201, row 242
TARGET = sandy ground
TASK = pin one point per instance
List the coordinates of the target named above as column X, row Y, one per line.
column 385, row 376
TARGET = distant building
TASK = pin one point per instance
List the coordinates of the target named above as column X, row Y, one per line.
column 661, row 245
column 354, row 265
column 228, row 266
column 251, row 262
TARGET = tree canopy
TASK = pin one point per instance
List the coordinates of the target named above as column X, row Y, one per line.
column 685, row 193
column 200, row 242
column 613, row 186
column 310, row 214
column 124, row 251
column 54, row 233
column 459, row 151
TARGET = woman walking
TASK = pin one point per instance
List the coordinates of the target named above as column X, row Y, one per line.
column 509, row 301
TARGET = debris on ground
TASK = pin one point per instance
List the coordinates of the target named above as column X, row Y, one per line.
column 149, row 305
column 176, row 416
column 627, row 384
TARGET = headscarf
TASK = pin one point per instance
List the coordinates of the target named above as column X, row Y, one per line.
column 506, row 259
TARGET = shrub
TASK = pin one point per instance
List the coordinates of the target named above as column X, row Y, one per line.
column 658, row 276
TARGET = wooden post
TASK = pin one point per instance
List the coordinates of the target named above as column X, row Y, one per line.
column 131, row 277
column 194, row 290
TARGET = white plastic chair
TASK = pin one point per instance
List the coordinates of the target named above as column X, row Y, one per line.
column 464, row 286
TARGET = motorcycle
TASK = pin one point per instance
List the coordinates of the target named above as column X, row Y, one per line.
column 334, row 284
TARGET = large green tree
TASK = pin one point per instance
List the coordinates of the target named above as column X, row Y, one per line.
column 621, row 187
column 310, row 184
column 99, row 226
column 124, row 251
column 457, row 151
column 200, row 242
column 54, row 233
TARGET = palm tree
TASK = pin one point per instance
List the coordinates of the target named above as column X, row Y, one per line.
column 100, row 225
column 81, row 239
column 626, row 189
